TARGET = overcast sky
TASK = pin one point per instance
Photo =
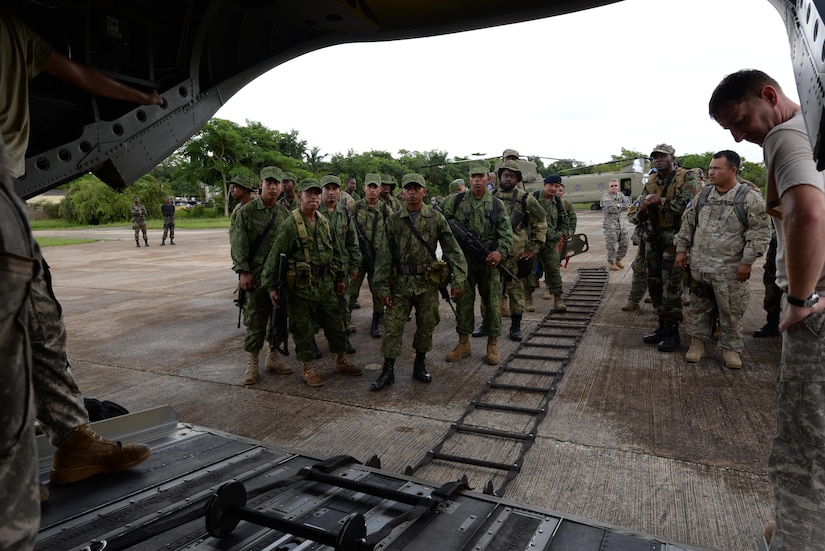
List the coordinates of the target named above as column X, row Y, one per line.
column 578, row 86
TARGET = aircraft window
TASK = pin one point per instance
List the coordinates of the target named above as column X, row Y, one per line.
column 64, row 155
column 808, row 14
column 816, row 29
column 822, row 56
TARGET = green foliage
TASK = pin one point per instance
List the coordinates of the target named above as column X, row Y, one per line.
column 91, row 202
column 201, row 211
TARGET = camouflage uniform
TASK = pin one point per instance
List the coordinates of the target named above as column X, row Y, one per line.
column 168, row 222
column 372, row 221
column 19, row 257
column 615, row 234
column 476, row 216
column 139, row 220
column 558, row 225
column 248, row 225
column 638, row 285
column 572, row 220
column 717, row 244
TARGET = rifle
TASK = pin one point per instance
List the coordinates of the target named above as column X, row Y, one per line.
column 472, row 245
column 367, row 258
column 279, row 329
column 240, row 300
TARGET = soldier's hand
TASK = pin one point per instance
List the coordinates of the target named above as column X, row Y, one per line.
column 653, row 200
column 247, row 282
column 795, row 314
column 353, row 276
column 273, row 296
column 340, row 288
column 681, row 261
column 455, row 293
column 743, row 272
column 493, row 259
column 526, row 254
column 386, row 301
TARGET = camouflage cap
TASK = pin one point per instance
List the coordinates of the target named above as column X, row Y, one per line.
column 663, row 148
column 455, row 185
column 372, row 178
column 413, row 178
column 330, row 179
column 552, row 179
column 387, row 179
column 271, row 172
column 509, row 153
column 509, row 165
column 308, row 183
column 479, row 168
column 288, row 176
column 244, row 181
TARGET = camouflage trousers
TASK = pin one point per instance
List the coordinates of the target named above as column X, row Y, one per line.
column 773, row 294
column 722, row 293
column 548, row 257
column 139, row 227
column 514, row 288
column 488, row 283
column 664, row 278
column 616, row 241
column 355, row 290
column 638, row 284
column 343, row 305
column 797, row 460
column 168, row 228
column 306, row 314
column 257, row 313
column 422, row 296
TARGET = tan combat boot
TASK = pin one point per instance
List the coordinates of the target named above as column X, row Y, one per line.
column 630, row 306
column 731, row 359
column 250, row 376
column 547, row 294
column 82, row 453
column 274, row 363
column 493, row 357
column 614, row 267
column 310, row 375
column 619, row 263
column 343, row 365
column 462, row 349
column 504, row 307
column 528, row 303
column 696, row 351
column 559, row 305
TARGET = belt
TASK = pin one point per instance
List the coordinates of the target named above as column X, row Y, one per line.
column 320, row 271
column 412, row 269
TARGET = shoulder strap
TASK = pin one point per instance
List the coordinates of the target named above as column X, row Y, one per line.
column 418, row 236
column 255, row 246
column 302, row 233
column 739, row 204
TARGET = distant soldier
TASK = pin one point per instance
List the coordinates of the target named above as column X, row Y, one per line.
column 370, row 215
column 558, row 225
column 529, row 223
column 724, row 231
column 288, row 199
column 251, row 236
column 168, row 211
column 387, row 196
column 243, row 189
column 343, row 229
column 315, row 280
column 352, row 188
column 485, row 216
column 408, row 274
column 613, row 206
column 139, row 215
column 668, row 192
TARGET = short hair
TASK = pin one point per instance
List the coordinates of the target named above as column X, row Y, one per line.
column 738, row 87
column 732, row 157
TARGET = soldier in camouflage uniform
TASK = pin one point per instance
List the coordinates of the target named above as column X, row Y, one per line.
column 343, row 229
column 668, row 193
column 168, row 211
column 572, row 220
column 315, row 280
column 720, row 251
column 139, row 215
column 613, row 204
column 243, row 189
column 638, row 284
column 485, row 216
column 250, row 237
column 288, row 199
column 753, row 107
column 405, row 277
column 370, row 215
column 558, row 225
column 529, row 223
column 387, row 196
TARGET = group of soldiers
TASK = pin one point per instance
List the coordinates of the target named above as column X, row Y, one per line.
column 309, row 246
column 139, row 214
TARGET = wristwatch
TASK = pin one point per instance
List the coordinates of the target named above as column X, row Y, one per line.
column 809, row 302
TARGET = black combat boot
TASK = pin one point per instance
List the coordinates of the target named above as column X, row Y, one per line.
column 171, row 241
column 350, row 349
column 137, row 243
column 671, row 340
column 479, row 332
column 375, row 330
column 146, row 241
column 419, row 371
column 657, row 336
column 387, row 376
column 162, row 242
column 317, row 350
column 770, row 329
column 515, row 327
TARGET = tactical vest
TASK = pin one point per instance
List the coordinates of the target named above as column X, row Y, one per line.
column 667, row 219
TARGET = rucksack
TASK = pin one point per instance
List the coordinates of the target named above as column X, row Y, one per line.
column 738, row 203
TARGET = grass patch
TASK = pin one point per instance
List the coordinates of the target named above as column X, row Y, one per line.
column 57, row 241
column 193, row 223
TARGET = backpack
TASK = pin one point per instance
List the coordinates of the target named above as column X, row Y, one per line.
column 738, row 203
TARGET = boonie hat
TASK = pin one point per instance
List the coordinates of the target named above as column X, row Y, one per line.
column 663, row 148
column 510, row 165
column 413, row 178
column 307, row 184
column 510, row 153
column 271, row 172
column 243, row 181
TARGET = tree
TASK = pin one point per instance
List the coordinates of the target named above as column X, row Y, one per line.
column 314, row 161
column 91, row 202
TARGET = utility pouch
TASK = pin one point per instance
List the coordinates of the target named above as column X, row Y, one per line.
column 291, row 276
column 303, row 275
column 525, row 267
column 438, row 273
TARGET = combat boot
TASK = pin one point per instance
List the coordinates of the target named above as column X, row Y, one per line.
column 656, row 336
column 614, row 267
column 462, row 349
column 82, row 453
column 274, row 363
column 671, row 340
column 375, row 329
column 731, row 359
column 137, row 243
column 171, row 241
column 696, row 351
column 504, row 307
column 630, row 306
column 317, row 350
column 311, row 377
column 547, row 294
column 419, row 368
column 493, row 357
column 343, row 365
column 387, row 376
column 146, row 241
column 250, row 376
column 528, row 303
column 479, row 332
column 770, row 329
column 350, row 348
column 559, row 305
column 619, row 263
column 515, row 327
column 162, row 242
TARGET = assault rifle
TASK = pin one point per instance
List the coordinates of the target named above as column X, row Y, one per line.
column 472, row 245
column 367, row 258
column 279, row 329
column 240, row 300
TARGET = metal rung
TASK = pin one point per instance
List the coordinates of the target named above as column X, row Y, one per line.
column 528, row 371
column 523, row 388
column 524, row 356
column 556, row 335
column 494, row 432
column 476, row 462
column 513, row 409
column 544, row 345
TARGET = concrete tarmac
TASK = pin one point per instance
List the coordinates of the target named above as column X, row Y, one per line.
column 633, row 438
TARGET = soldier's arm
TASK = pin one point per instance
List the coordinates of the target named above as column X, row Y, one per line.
column 239, row 243
column 284, row 235
column 504, row 232
column 758, row 232
column 452, row 253
column 538, row 224
column 686, row 194
column 684, row 239
column 353, row 250
column 383, row 264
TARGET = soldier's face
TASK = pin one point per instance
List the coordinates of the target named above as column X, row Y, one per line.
column 310, row 199
column 559, row 190
column 414, row 196
column 478, row 183
column 663, row 162
column 753, row 118
column 270, row 190
column 331, row 194
column 371, row 192
column 289, row 188
column 720, row 174
column 508, row 179
column 351, row 186
column 613, row 188
column 385, row 190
